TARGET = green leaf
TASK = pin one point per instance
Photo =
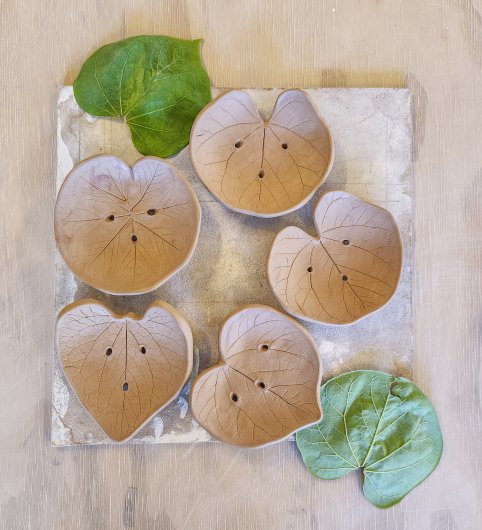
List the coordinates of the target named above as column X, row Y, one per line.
column 158, row 83
column 377, row 422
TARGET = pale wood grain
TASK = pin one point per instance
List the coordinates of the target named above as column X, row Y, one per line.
column 433, row 47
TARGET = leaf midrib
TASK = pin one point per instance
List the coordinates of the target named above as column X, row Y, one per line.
column 376, row 430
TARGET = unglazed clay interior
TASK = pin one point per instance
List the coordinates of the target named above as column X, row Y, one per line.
column 124, row 368
column 123, row 230
column 261, row 168
column 352, row 270
column 267, row 384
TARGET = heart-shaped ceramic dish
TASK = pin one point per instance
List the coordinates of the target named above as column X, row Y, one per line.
column 351, row 270
column 124, row 368
column 265, row 169
column 123, row 230
column 266, row 386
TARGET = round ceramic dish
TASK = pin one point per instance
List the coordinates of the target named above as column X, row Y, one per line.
column 351, row 270
column 123, row 230
column 266, row 387
column 265, row 169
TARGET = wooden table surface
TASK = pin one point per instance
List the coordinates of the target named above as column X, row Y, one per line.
column 433, row 47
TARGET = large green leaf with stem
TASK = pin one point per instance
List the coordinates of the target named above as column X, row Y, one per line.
column 377, row 422
column 157, row 83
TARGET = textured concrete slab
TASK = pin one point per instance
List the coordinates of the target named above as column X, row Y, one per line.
column 372, row 131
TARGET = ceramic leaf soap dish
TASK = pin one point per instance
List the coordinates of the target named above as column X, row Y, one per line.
column 265, row 169
column 351, row 270
column 123, row 230
column 124, row 368
column 266, row 386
